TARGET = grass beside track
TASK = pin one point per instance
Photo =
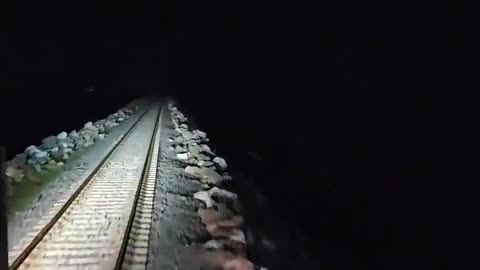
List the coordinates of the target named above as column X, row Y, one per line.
column 22, row 196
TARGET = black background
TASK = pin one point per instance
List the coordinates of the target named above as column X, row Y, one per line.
column 357, row 109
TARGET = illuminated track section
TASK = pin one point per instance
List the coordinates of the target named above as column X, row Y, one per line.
column 105, row 223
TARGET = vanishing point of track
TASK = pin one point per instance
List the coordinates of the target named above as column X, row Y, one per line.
column 104, row 222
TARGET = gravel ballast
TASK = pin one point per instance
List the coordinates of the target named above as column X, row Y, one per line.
column 35, row 199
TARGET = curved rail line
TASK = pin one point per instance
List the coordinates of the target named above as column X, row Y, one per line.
column 96, row 207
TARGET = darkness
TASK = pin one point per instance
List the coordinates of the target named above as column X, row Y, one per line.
column 357, row 109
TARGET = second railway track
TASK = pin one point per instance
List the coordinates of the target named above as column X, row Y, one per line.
column 105, row 223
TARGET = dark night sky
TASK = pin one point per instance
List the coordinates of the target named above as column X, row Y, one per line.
column 371, row 92
column 241, row 44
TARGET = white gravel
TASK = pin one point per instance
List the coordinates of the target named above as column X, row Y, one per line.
column 98, row 217
column 73, row 171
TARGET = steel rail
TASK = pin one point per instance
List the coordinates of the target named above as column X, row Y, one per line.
column 145, row 172
column 44, row 231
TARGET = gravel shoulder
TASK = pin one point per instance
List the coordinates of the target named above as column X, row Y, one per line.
column 196, row 224
column 37, row 200
column 179, row 237
column 176, row 226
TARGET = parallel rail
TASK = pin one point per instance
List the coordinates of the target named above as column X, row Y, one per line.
column 135, row 249
column 93, row 217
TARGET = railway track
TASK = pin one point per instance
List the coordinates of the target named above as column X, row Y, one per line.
column 105, row 223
